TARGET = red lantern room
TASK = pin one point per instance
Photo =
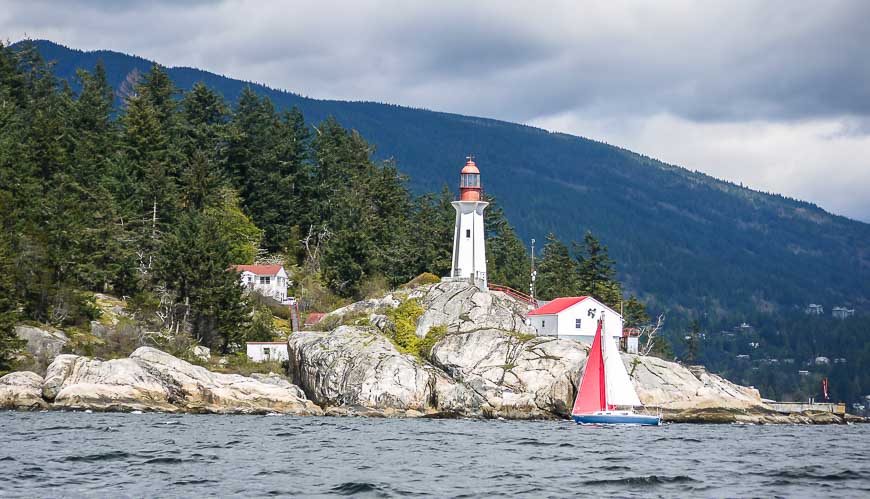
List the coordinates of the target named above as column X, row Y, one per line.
column 469, row 182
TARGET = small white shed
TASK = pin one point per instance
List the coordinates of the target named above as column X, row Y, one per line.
column 264, row 351
column 575, row 318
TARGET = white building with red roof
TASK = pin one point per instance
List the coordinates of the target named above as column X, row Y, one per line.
column 575, row 318
column 268, row 280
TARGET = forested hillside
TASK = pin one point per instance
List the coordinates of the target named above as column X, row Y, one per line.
column 684, row 241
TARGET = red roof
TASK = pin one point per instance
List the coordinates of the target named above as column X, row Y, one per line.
column 558, row 305
column 259, row 269
column 314, row 318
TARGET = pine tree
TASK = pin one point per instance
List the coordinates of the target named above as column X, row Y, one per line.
column 596, row 275
column 634, row 313
column 507, row 260
column 10, row 344
column 556, row 275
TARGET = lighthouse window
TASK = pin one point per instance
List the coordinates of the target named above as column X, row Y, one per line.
column 470, row 180
column 467, row 232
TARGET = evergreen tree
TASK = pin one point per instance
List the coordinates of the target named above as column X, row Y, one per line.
column 10, row 345
column 556, row 271
column 692, row 342
column 433, row 226
column 507, row 260
column 596, row 275
column 195, row 263
column 634, row 313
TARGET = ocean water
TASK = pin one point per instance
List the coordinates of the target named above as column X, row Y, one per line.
column 160, row 455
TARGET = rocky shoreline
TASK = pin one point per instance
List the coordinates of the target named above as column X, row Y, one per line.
column 487, row 365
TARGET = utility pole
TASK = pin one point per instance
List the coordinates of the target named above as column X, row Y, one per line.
column 533, row 274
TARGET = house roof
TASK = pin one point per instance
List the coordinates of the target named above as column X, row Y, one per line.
column 259, row 269
column 558, row 305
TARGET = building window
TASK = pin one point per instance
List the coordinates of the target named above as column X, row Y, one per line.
column 467, row 232
column 543, row 323
column 250, row 279
column 264, row 279
column 577, row 323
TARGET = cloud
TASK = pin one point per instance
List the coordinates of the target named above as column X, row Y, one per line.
column 771, row 77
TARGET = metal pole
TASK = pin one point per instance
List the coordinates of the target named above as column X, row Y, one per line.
column 533, row 274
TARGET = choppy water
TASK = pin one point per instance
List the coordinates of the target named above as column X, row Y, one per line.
column 148, row 455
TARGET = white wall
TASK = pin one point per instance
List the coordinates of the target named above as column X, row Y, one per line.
column 469, row 247
column 276, row 351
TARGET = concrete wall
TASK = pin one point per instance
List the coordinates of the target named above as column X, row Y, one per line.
column 789, row 407
column 263, row 351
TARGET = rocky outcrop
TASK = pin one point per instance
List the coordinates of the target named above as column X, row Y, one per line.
column 364, row 307
column 358, row 367
column 464, row 308
column 518, row 375
column 151, row 380
column 42, row 342
column 669, row 385
column 21, row 391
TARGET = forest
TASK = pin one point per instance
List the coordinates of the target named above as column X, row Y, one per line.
column 157, row 202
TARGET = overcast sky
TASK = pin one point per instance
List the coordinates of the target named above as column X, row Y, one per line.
column 773, row 94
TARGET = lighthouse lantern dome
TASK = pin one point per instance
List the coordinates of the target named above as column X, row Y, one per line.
column 469, row 182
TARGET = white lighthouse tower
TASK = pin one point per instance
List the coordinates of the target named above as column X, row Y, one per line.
column 469, row 244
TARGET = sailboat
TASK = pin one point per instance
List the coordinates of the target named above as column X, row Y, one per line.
column 605, row 386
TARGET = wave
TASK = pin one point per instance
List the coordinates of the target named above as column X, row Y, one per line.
column 103, row 456
column 353, row 488
column 643, row 480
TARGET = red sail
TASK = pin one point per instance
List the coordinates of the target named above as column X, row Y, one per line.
column 592, row 395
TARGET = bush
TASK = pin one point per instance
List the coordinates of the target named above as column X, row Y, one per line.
column 433, row 336
column 404, row 318
column 262, row 326
column 423, row 279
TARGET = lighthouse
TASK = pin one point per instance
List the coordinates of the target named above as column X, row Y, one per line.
column 469, row 244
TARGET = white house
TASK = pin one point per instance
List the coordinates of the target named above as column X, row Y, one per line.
column 268, row 280
column 575, row 318
column 262, row 351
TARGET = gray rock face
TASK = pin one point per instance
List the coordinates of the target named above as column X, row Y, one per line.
column 42, row 343
column 518, row 375
column 21, row 391
column 669, row 385
column 154, row 380
column 202, row 353
column 369, row 306
column 353, row 366
column 540, row 375
column 464, row 308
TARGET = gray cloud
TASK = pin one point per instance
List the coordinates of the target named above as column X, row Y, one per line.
column 632, row 74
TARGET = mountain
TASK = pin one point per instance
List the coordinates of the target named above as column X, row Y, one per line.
column 683, row 240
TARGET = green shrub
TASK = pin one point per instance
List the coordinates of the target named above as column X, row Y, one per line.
column 404, row 318
column 423, row 279
column 433, row 336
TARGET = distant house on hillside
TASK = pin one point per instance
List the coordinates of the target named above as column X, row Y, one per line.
column 575, row 318
column 814, row 309
column 268, row 280
column 842, row 312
